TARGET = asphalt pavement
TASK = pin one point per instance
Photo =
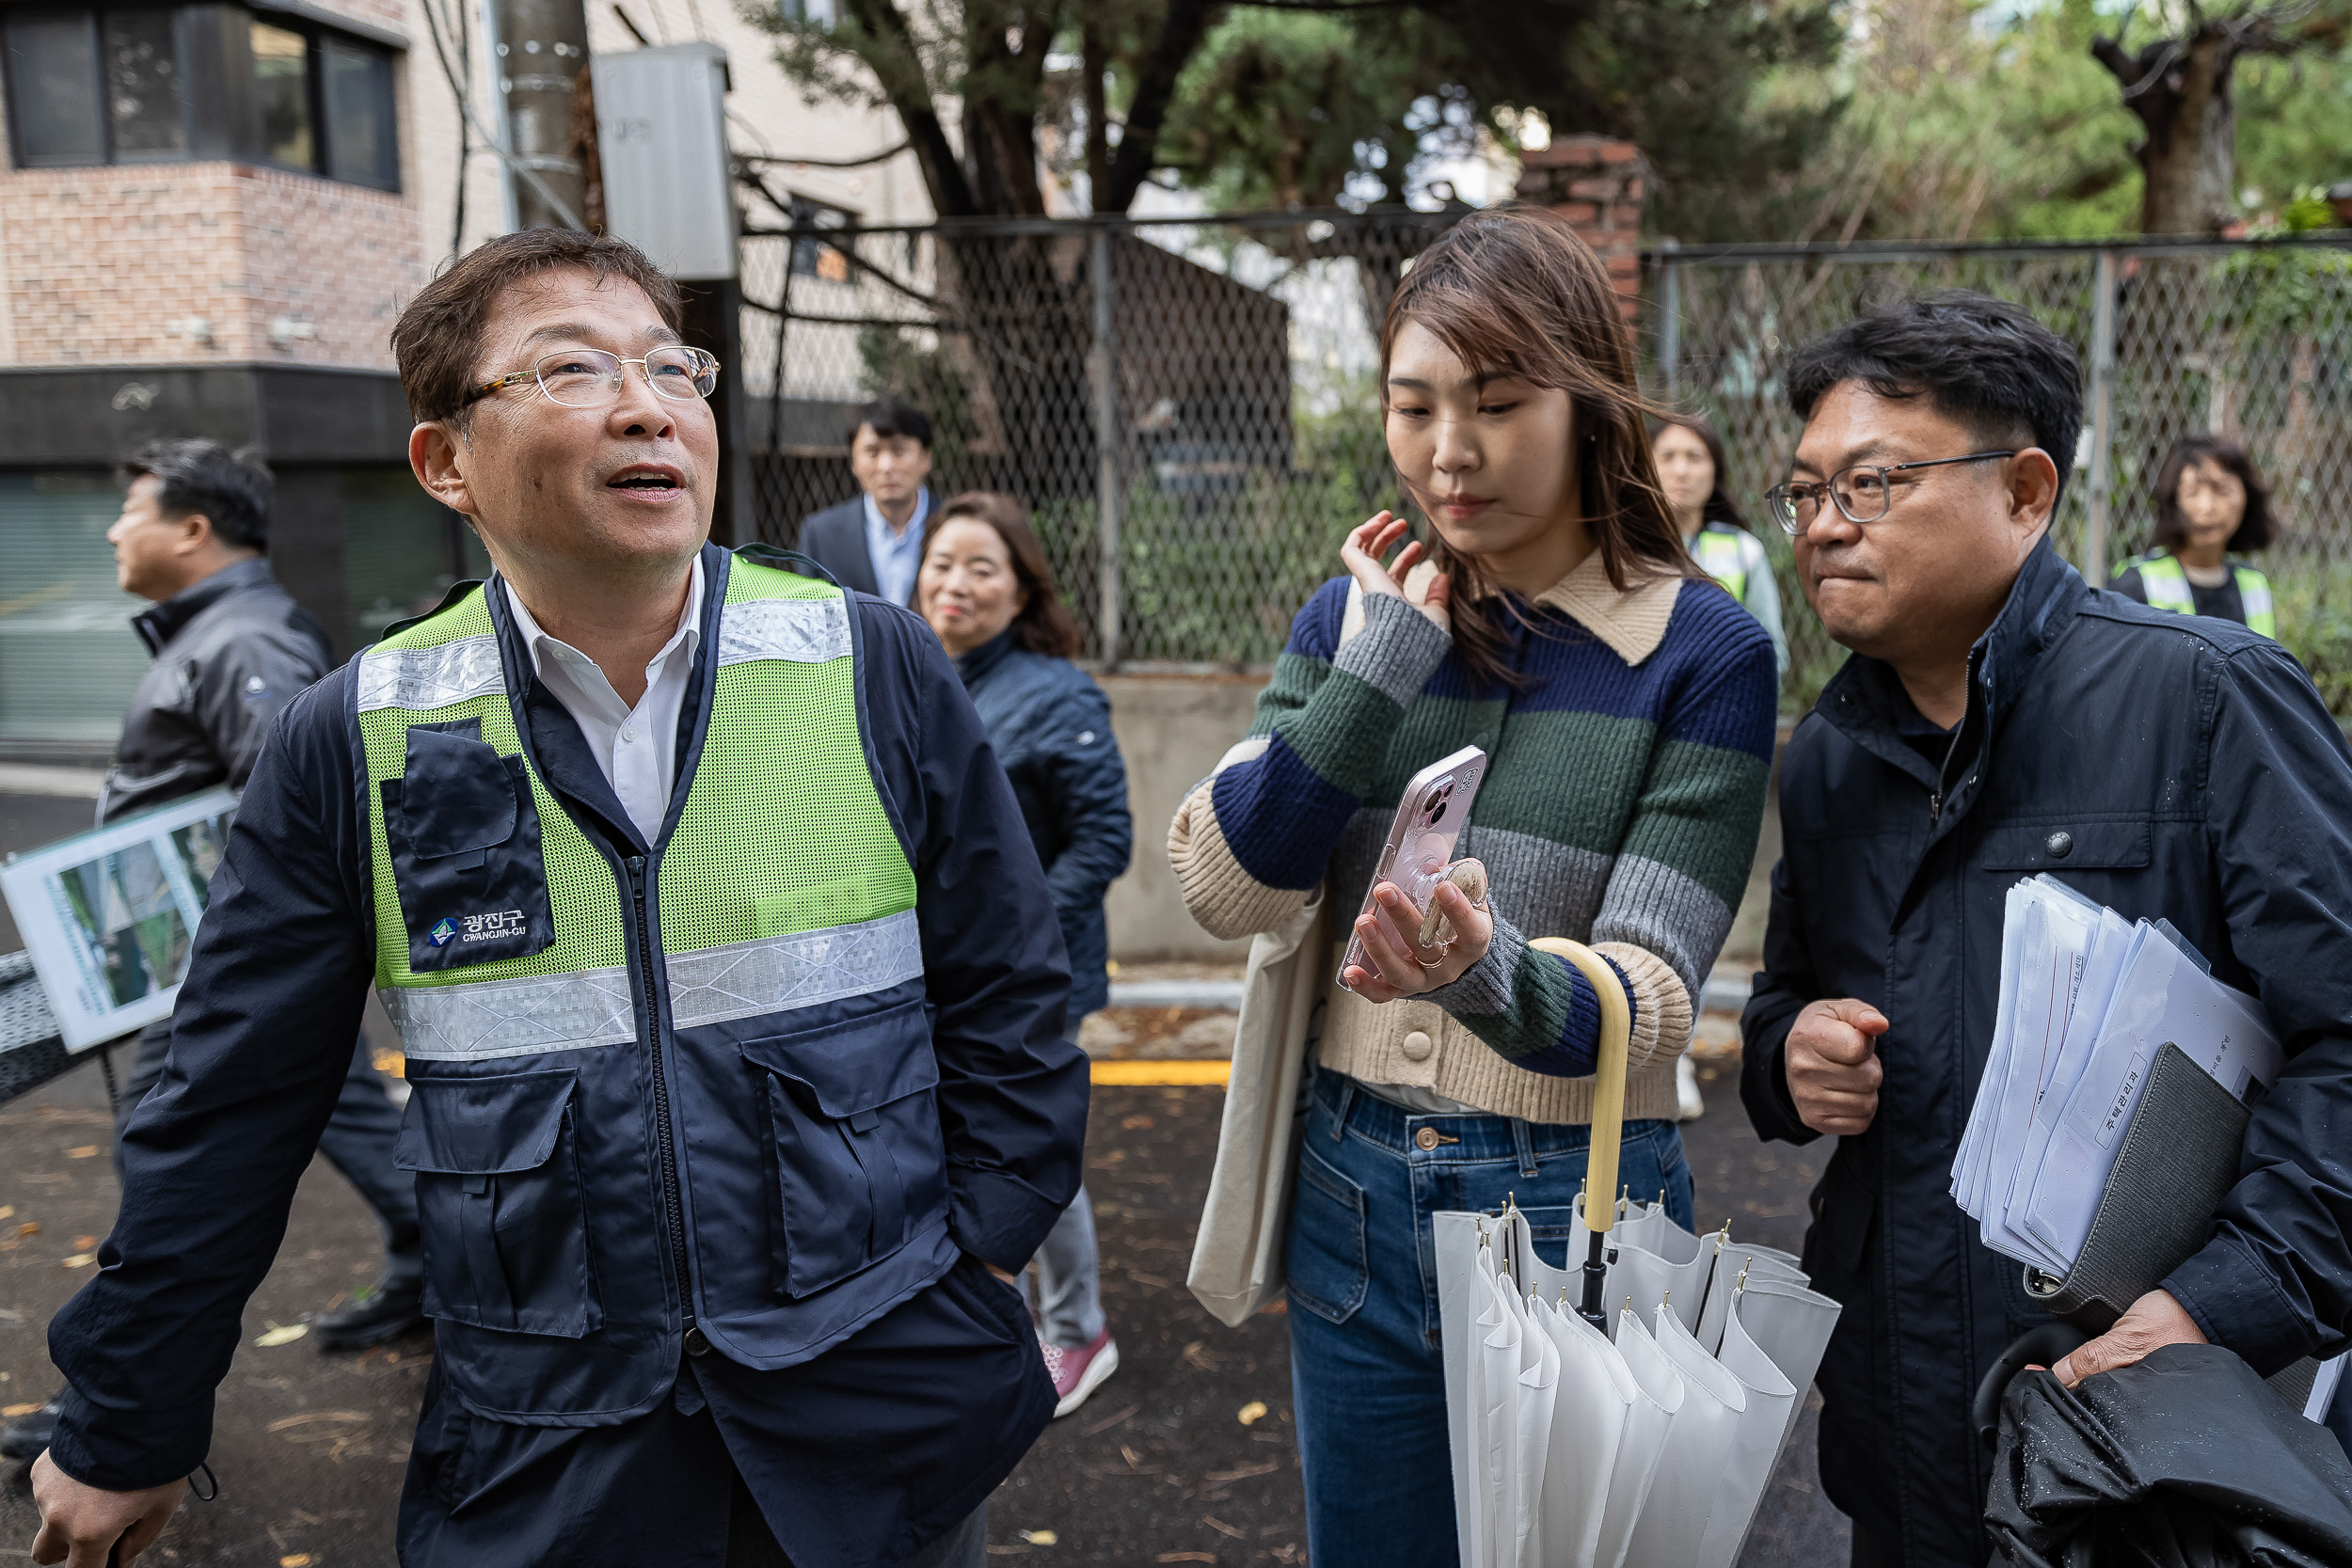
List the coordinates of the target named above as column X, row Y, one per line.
column 1184, row 1455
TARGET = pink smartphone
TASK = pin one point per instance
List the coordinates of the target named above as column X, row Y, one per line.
column 1429, row 822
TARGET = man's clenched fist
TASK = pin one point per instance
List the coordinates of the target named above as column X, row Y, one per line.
column 85, row 1526
column 1832, row 1065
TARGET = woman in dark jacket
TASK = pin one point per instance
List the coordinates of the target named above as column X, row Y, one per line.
column 986, row 590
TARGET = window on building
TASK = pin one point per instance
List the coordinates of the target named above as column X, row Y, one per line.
column 282, row 94
column 361, row 145
column 143, row 97
column 158, row 84
column 53, row 89
column 814, row 258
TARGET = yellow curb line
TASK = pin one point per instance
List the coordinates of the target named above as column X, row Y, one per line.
column 1163, row 1074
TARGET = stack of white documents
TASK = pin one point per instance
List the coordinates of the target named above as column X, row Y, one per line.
column 2086, row 1001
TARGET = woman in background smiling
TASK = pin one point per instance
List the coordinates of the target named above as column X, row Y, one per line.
column 986, row 590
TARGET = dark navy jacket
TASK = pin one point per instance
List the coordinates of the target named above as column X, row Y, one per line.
column 2165, row 764
column 230, row 653
column 1051, row 727
column 281, row 967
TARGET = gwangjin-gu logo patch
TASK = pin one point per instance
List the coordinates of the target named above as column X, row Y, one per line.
column 444, row 932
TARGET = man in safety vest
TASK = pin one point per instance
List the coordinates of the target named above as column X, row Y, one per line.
column 730, row 991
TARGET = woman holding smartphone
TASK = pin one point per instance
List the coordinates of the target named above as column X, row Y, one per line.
column 1554, row 620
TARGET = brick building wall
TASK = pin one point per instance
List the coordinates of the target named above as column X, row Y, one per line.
column 118, row 265
column 1599, row 184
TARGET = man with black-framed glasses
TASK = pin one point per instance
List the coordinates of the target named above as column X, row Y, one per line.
column 2001, row 718
column 730, row 991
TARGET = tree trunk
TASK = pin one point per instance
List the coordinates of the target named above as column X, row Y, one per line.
column 2180, row 90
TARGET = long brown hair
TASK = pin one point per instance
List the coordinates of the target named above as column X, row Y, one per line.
column 1514, row 291
column 1043, row 626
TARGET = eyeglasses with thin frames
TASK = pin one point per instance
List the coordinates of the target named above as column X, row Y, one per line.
column 591, row 378
column 1862, row 493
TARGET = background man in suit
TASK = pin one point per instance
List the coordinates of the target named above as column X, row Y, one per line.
column 875, row 542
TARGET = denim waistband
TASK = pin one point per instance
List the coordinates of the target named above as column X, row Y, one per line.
column 1479, row 1135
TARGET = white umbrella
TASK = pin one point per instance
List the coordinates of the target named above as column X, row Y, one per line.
column 1582, row 1440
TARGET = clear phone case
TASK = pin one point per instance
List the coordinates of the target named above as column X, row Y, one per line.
column 1421, row 840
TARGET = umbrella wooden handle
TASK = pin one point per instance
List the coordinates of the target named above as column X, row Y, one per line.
column 1616, row 1042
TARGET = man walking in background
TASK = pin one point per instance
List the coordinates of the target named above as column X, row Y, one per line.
column 232, row 650
column 2000, row 717
column 875, row 542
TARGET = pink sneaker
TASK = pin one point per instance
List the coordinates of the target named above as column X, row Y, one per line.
column 1078, row 1372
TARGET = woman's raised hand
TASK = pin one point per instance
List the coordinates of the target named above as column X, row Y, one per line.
column 1426, row 591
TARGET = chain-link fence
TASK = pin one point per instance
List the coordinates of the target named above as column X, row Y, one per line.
column 2251, row 341
column 1188, row 408
column 1191, row 409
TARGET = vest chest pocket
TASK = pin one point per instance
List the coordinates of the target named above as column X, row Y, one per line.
column 499, row 1191
column 853, row 1142
column 463, row 831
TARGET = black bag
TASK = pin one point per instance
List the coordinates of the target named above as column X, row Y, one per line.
column 2184, row 1460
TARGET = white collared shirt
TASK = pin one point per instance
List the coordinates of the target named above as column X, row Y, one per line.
column 635, row 747
column 897, row 554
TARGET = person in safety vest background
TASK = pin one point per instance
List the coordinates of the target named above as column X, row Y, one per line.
column 730, row 989
column 2210, row 505
column 1690, row 468
column 1690, row 459
column 987, row 589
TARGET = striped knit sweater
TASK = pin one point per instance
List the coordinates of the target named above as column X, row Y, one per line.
column 1620, row 809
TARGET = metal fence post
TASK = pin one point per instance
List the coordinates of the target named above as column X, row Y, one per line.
column 2094, row 555
column 1107, row 442
column 1669, row 316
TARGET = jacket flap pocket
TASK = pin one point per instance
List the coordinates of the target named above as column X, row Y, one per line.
column 458, row 793
column 2061, row 845
column 482, row 1126
column 856, row 1065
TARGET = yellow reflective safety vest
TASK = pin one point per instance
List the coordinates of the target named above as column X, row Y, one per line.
column 662, row 1101
column 1720, row 555
column 2162, row 576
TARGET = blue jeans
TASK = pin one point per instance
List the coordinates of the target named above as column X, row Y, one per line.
column 1367, row 1372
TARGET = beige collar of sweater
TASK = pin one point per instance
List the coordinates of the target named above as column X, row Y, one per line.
column 1631, row 622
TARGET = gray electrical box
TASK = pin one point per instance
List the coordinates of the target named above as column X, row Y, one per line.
column 662, row 140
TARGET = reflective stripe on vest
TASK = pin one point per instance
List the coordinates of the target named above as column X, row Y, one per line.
column 2165, row 581
column 783, row 884
column 1721, row 556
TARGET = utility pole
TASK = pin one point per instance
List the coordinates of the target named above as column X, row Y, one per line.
column 542, row 61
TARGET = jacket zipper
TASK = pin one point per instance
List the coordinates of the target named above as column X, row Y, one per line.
column 663, row 1136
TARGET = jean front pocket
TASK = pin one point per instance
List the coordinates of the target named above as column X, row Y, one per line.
column 499, row 1197
column 854, row 1143
column 463, row 831
column 1329, row 1265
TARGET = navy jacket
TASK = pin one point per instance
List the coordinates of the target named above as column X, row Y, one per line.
column 230, row 653
column 835, row 540
column 1051, row 727
column 2165, row 764
column 279, row 976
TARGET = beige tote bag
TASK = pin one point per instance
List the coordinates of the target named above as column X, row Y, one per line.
column 1237, row 1255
